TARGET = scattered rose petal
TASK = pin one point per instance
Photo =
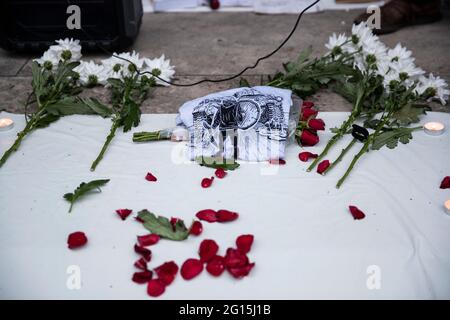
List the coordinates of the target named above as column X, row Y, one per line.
column 308, row 138
column 240, row 272
column 123, row 213
column 316, row 124
column 141, row 264
column 173, row 222
column 208, row 249
column 196, row 228
column 191, row 268
column 308, row 113
column 277, row 161
column 76, row 240
column 150, row 177
column 142, row 277
column 207, row 182
column 220, row 173
column 167, row 272
column 155, row 288
column 225, row 215
column 139, row 219
column 145, row 253
column 148, row 240
column 216, row 266
column 244, row 242
column 445, row 184
column 308, row 104
column 356, row 213
column 235, row 258
column 323, row 166
column 305, row 156
column 208, row 215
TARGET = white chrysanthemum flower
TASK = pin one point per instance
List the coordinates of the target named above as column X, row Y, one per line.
column 166, row 71
column 91, row 73
column 48, row 60
column 119, row 65
column 335, row 42
column 67, row 49
column 407, row 67
column 434, row 88
column 362, row 35
column 399, row 53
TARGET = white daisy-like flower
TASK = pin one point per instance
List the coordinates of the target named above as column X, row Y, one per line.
column 49, row 60
column 336, row 41
column 68, row 49
column 434, row 88
column 92, row 73
column 166, row 71
column 407, row 67
column 399, row 53
column 362, row 35
column 119, row 65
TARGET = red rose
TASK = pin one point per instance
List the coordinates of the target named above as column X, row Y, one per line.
column 323, row 166
column 308, row 113
column 308, row 104
column 309, row 138
column 316, row 124
column 76, row 240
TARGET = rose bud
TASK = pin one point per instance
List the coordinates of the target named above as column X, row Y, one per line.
column 309, row 138
column 316, row 124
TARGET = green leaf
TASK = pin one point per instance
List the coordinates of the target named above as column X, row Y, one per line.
column 211, row 162
column 161, row 226
column 409, row 114
column 46, row 120
column 97, row 107
column 391, row 138
column 131, row 116
column 243, row 83
column 83, row 189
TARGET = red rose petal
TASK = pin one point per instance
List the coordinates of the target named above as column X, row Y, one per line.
column 225, row 215
column 241, row 271
column 244, row 242
column 173, row 222
column 235, row 258
column 145, row 253
column 124, row 213
column 220, row 173
column 155, row 288
column 150, row 177
column 316, row 124
column 308, row 113
column 76, row 240
column 142, row 277
column 356, row 213
column 305, row 156
column 148, row 240
column 208, row 249
column 207, row 182
column 167, row 272
column 208, row 215
column 308, row 104
column 191, row 268
column 445, row 184
column 277, row 161
column 196, row 228
column 323, row 166
column 216, row 266
column 141, row 264
column 308, row 138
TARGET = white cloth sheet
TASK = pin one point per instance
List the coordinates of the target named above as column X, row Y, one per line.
column 306, row 243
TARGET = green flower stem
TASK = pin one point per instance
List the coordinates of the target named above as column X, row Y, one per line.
column 147, row 136
column 109, row 138
column 341, row 156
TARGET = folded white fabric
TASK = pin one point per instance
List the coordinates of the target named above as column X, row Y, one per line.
column 248, row 123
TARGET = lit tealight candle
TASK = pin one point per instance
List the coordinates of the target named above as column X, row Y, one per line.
column 434, row 128
column 6, row 124
column 447, row 206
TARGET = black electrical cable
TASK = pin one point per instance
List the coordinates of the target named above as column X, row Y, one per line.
column 214, row 80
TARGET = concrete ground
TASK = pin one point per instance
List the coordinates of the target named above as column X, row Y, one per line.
column 216, row 45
